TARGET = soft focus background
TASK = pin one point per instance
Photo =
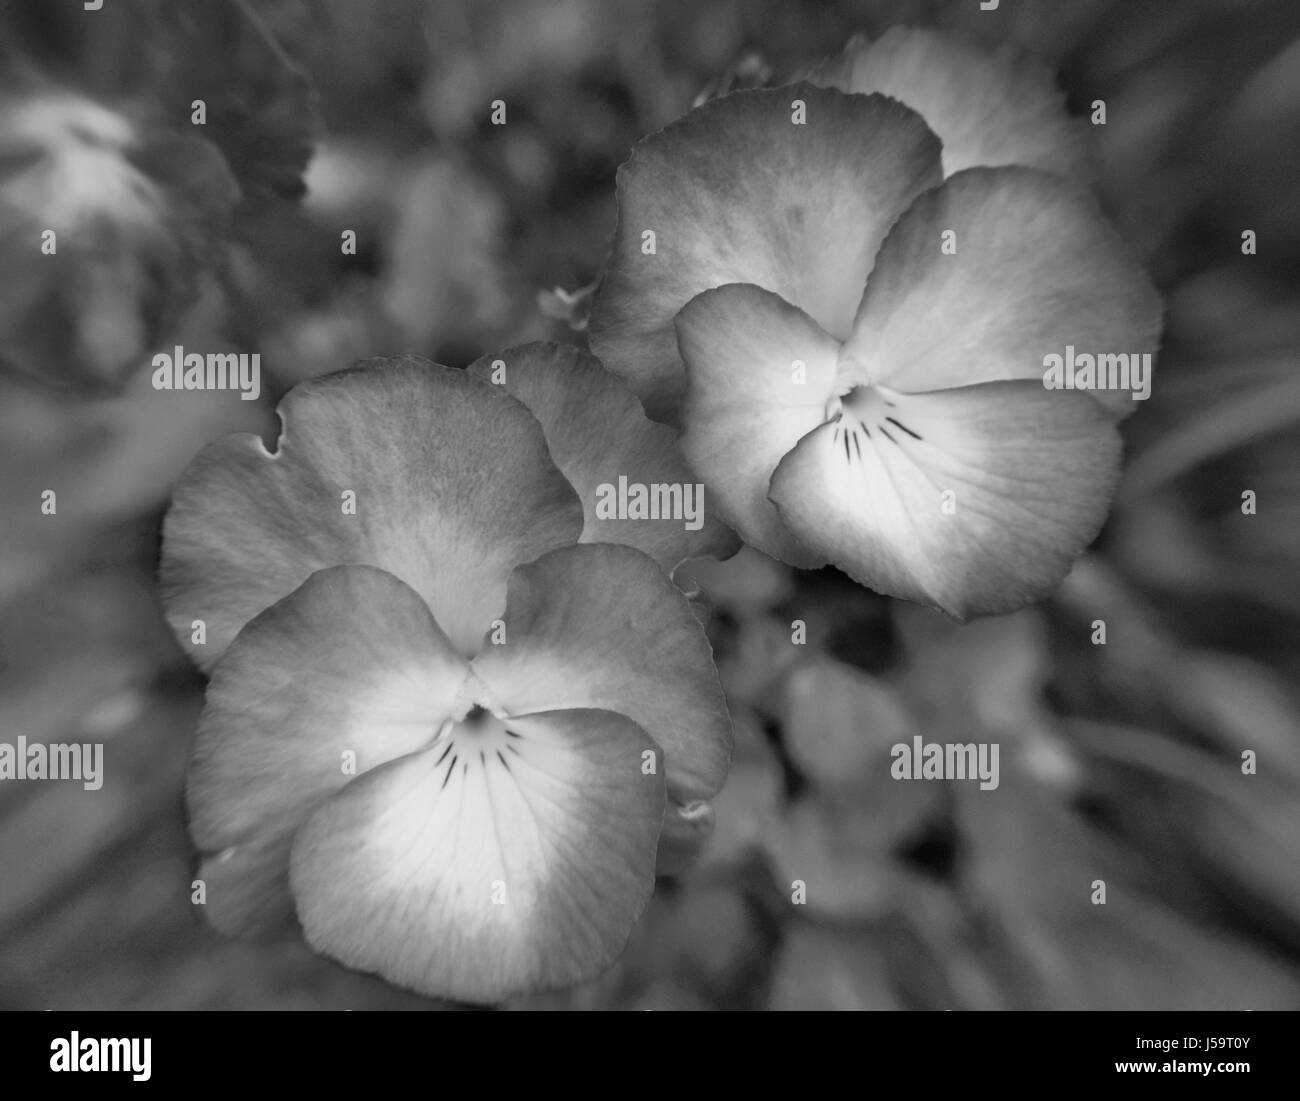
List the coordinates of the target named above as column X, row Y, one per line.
column 1119, row 762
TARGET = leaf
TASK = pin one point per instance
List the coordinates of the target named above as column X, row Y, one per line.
column 828, row 969
column 1032, row 873
column 840, row 725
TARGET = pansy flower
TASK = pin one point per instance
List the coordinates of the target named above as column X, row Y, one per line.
column 855, row 347
column 447, row 719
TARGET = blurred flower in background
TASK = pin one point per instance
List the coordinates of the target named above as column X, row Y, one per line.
column 1121, row 761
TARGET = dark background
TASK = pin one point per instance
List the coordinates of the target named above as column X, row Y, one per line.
column 1119, row 762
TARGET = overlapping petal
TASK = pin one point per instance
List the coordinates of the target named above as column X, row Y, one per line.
column 523, row 867
column 600, row 438
column 740, row 190
column 1037, row 268
column 351, row 662
column 601, row 626
column 973, row 500
column 760, row 374
column 452, row 482
column 989, row 106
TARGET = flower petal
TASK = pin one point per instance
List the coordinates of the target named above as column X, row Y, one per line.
column 736, row 191
column 1037, row 268
column 453, row 489
column 988, row 107
column 522, row 871
column 600, row 625
column 598, row 434
column 760, row 373
column 1030, row 472
column 350, row 663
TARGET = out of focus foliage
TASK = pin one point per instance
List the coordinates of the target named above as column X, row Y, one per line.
column 110, row 161
column 1119, row 762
